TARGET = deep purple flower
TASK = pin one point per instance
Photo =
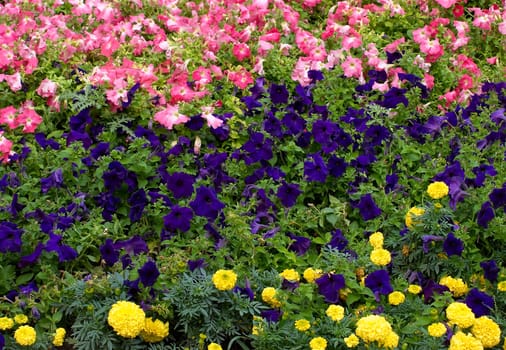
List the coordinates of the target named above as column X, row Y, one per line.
column 300, row 244
column 379, row 282
column 498, row 197
column 368, row 208
column 115, row 176
column 206, row 203
column 130, row 95
column 79, row 121
column 2, row 341
column 44, row 142
column 315, row 170
column 109, row 253
column 10, row 236
column 55, row 179
column 134, row 245
column 258, row 148
column 137, row 202
column 427, row 239
column 196, row 264
column 490, row 270
column 15, row 207
column 336, row 166
column 278, row 93
column 391, row 182
column 28, row 289
column 180, row 184
column 288, row 193
column 379, row 76
column 338, row 241
column 485, row 215
column 376, row 134
column 394, row 97
column 179, row 218
column 481, row 172
column 452, row 245
column 109, row 203
column 430, row 288
column 246, row 290
column 273, row 126
column 329, row 286
column 294, row 123
column 480, row 302
column 498, row 116
column 31, row 259
column 65, row 252
column 35, row 315
column 271, row 315
column 76, row 136
column 148, row 273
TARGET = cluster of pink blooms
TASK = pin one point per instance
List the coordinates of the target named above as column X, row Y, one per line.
column 243, row 31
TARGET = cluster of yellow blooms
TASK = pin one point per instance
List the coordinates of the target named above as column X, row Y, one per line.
column 26, row 335
column 456, row 285
column 302, row 325
column 411, row 218
column 484, row 332
column 290, row 275
column 318, row 343
column 129, row 320
column 335, row 312
column 224, row 279
column 379, row 256
column 269, row 296
column 376, row 329
column 310, row 274
column 59, row 337
column 437, row 190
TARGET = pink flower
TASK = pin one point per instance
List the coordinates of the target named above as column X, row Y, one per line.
column 392, row 47
column 465, row 82
column 202, row 77
column 352, row 67
column 8, row 116
column 502, row 27
column 5, row 148
column 29, row 119
column 14, row 81
column 181, row 93
column 47, row 88
column 446, row 3
column 241, row 78
column 311, row 3
column 212, row 121
column 492, row 60
column 432, row 47
column 241, row 51
column 170, row 117
column 428, row 80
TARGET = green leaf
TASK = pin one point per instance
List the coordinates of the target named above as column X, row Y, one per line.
column 24, row 278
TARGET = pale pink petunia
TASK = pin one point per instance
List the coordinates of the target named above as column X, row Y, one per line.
column 446, row 3
column 432, row 47
column 47, row 88
column 212, row 121
column 14, row 81
column 170, row 117
column 393, row 46
column 502, row 27
column 428, row 80
column 492, row 60
column 5, row 148
column 352, row 67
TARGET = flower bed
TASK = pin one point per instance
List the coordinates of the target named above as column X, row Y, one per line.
column 252, row 174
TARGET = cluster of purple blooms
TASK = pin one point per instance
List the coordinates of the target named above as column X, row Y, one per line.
column 323, row 143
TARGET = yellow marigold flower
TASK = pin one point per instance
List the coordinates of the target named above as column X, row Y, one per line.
column 501, row 286
column 21, row 319
column 461, row 341
column 318, row 343
column 154, row 331
column 126, row 318
column 396, row 298
column 25, row 335
column 437, row 329
column 486, row 331
column 380, row 257
column 351, row 341
column 373, row 328
column 214, row 346
column 224, row 279
column 269, row 296
column 335, row 312
column 376, row 240
column 437, row 190
column 460, row 314
column 391, row 340
column 311, row 274
column 456, row 285
column 410, row 219
column 290, row 275
column 59, row 336
column 414, row 289
column 6, row 323
column 302, row 325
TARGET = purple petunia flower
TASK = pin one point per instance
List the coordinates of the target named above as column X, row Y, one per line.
column 137, row 202
column 315, row 170
column 485, row 215
column 336, row 166
column 130, row 95
column 271, row 315
column 179, row 218
column 258, row 148
column 148, row 273
column 452, row 245
column 134, row 245
column 329, row 286
column 376, row 134
column 278, row 94
column 196, row 264
column 44, row 142
column 427, row 239
column 246, row 290
column 31, row 259
column 117, row 175
column 10, row 236
column 300, row 244
column 498, row 197
column 368, row 208
column 65, row 252
column 379, row 282
column 180, row 184
column 480, row 302
column 288, row 193
column 273, row 126
column 394, row 97
column 109, row 253
column 206, row 203
column 490, row 270
column 338, row 241
column 55, row 179
column 294, row 123
column 2, row 341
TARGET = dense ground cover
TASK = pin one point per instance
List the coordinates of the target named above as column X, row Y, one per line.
column 252, row 174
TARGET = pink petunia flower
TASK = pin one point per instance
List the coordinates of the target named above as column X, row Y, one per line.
column 212, row 121
column 352, row 67
column 170, row 117
column 5, row 148
column 446, row 3
column 241, row 51
column 241, row 78
column 8, row 116
column 29, row 119
column 47, row 88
